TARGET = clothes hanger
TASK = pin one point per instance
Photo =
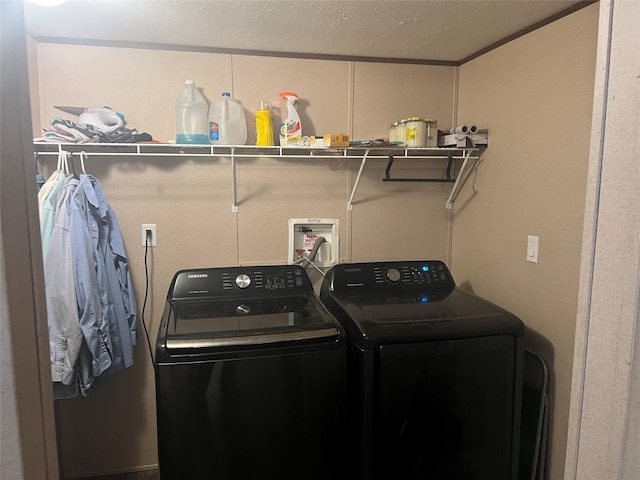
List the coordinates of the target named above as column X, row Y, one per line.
column 36, row 160
column 60, row 165
column 40, row 180
column 83, row 155
column 65, row 160
column 73, row 165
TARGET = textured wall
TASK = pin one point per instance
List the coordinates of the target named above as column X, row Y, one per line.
column 28, row 443
column 604, row 428
column 190, row 199
column 532, row 182
column 535, row 97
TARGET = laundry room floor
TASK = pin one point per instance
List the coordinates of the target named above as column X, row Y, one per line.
column 144, row 475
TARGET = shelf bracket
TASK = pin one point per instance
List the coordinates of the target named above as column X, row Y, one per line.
column 463, row 175
column 234, row 206
column 355, row 185
column 447, row 179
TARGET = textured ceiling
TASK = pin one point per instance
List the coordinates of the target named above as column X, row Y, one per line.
column 445, row 30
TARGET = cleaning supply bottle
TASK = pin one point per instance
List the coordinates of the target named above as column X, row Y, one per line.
column 264, row 125
column 290, row 128
column 191, row 116
column 227, row 123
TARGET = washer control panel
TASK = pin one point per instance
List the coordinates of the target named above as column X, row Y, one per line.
column 240, row 281
column 419, row 275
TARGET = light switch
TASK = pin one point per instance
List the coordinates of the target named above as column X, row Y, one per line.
column 533, row 242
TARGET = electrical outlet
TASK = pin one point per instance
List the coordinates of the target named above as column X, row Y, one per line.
column 153, row 240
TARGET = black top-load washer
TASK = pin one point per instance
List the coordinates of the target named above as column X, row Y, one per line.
column 434, row 372
column 250, row 377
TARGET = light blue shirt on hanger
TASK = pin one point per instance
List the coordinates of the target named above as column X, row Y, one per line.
column 91, row 315
column 113, row 276
column 65, row 334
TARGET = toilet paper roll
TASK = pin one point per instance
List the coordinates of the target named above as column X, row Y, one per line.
column 460, row 129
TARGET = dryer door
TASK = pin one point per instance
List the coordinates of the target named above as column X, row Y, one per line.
column 446, row 409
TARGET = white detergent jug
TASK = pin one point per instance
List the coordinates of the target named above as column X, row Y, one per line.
column 191, row 116
column 227, row 123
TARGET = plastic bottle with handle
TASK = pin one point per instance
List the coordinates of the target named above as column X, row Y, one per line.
column 264, row 125
column 191, row 116
column 227, row 123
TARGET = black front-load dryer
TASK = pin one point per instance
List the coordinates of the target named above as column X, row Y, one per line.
column 250, row 378
column 434, row 373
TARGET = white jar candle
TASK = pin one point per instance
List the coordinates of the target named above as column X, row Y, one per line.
column 416, row 132
column 432, row 132
column 393, row 132
column 401, row 131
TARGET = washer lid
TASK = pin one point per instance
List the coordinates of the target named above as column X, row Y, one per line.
column 371, row 320
column 408, row 301
column 253, row 321
column 414, row 307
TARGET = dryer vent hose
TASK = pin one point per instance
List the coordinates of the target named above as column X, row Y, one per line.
column 304, row 262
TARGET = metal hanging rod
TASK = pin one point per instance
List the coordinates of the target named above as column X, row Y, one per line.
column 447, row 179
column 233, row 152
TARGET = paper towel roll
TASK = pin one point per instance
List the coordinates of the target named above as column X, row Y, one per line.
column 460, row 129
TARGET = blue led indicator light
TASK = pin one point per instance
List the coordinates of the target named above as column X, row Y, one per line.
column 425, row 299
column 425, row 268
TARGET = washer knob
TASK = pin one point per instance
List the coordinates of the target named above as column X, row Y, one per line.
column 393, row 275
column 243, row 281
column 243, row 309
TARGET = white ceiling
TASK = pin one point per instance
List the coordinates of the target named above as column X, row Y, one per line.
column 443, row 30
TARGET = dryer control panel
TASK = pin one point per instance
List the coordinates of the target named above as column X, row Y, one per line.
column 240, row 281
column 428, row 275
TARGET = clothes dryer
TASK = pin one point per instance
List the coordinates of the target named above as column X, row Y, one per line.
column 434, row 372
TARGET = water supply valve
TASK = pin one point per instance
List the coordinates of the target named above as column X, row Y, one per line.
column 305, row 233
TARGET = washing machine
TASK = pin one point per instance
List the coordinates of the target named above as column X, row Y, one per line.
column 250, row 378
column 434, row 373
